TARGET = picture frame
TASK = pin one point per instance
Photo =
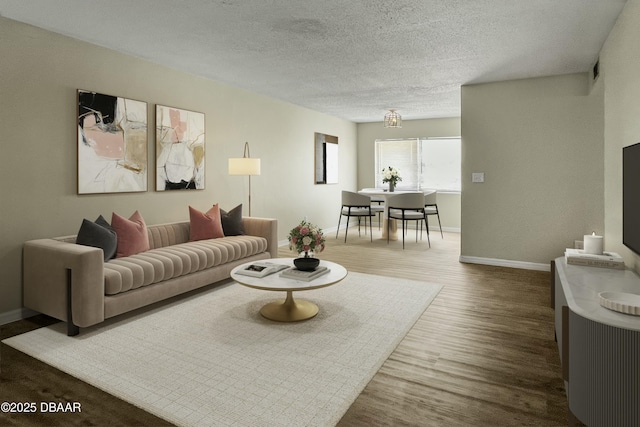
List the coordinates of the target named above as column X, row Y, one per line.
column 180, row 149
column 112, row 144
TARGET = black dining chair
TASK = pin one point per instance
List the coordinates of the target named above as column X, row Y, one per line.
column 377, row 205
column 431, row 208
column 355, row 205
column 407, row 207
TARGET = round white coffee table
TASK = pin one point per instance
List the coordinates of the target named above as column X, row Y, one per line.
column 289, row 310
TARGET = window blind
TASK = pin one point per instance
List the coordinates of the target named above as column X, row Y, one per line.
column 401, row 155
column 423, row 163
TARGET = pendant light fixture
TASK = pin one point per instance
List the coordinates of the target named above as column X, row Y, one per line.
column 392, row 119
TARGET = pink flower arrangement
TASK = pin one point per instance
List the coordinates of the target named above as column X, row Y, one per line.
column 306, row 237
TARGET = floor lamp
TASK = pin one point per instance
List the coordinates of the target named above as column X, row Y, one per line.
column 245, row 166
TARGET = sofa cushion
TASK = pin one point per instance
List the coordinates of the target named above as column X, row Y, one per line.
column 205, row 225
column 135, row 274
column 232, row 221
column 168, row 234
column 98, row 234
column 157, row 265
column 132, row 234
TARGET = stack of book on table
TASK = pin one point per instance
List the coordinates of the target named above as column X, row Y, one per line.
column 307, row 276
column 261, row 269
column 606, row 260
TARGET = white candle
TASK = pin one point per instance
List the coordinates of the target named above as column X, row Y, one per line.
column 593, row 244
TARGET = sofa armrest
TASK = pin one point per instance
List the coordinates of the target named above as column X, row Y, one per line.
column 263, row 227
column 47, row 265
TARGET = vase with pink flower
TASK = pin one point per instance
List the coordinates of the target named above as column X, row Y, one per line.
column 306, row 239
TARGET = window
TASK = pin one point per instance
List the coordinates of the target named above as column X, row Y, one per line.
column 433, row 163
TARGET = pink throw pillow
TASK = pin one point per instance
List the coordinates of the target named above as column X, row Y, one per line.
column 133, row 237
column 205, row 225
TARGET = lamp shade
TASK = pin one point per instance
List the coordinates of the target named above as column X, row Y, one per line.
column 244, row 166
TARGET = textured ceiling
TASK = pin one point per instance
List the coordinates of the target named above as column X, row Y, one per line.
column 350, row 59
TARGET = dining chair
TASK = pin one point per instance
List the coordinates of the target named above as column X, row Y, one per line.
column 407, row 207
column 431, row 208
column 355, row 205
column 377, row 205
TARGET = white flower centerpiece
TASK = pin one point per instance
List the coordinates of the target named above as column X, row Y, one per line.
column 308, row 239
column 392, row 176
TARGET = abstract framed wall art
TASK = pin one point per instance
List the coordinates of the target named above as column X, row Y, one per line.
column 112, row 144
column 180, row 146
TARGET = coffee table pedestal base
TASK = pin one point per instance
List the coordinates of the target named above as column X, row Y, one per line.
column 289, row 310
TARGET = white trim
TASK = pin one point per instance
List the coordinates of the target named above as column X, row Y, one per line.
column 331, row 230
column 505, row 263
column 327, row 232
column 448, row 229
column 432, row 228
column 14, row 315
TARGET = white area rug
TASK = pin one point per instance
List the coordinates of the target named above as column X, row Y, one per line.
column 211, row 359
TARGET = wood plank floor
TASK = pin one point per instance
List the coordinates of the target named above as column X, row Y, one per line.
column 482, row 354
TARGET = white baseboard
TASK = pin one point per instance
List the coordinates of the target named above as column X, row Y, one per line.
column 505, row 263
column 14, row 315
column 331, row 230
column 447, row 229
column 327, row 232
column 432, row 228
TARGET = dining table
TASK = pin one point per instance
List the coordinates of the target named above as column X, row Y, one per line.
column 384, row 194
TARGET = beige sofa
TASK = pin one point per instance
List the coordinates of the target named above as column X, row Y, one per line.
column 73, row 283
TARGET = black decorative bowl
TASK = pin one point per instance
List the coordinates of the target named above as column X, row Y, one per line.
column 306, row 264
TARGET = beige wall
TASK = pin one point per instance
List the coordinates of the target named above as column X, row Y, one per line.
column 448, row 204
column 549, row 176
column 540, row 144
column 552, row 152
column 620, row 70
column 41, row 72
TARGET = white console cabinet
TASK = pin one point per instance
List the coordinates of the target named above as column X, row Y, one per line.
column 599, row 348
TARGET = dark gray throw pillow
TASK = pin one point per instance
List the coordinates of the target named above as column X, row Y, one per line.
column 232, row 221
column 98, row 234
